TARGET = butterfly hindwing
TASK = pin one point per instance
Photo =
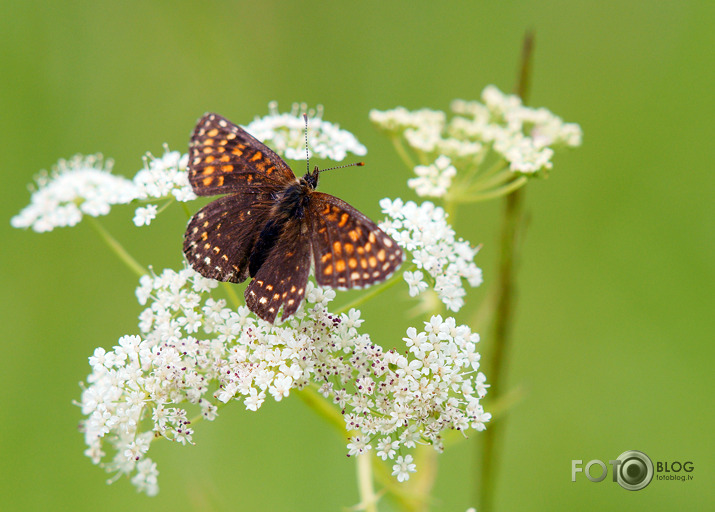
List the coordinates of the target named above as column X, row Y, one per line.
column 224, row 158
column 349, row 250
column 219, row 238
column 282, row 278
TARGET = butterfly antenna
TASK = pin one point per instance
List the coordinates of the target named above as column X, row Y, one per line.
column 307, row 155
column 354, row 164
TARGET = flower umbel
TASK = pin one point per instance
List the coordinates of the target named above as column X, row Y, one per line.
column 478, row 142
column 285, row 134
column 82, row 185
column 195, row 354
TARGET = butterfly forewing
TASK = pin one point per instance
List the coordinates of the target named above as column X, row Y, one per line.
column 224, row 158
column 220, row 236
column 282, row 278
column 349, row 250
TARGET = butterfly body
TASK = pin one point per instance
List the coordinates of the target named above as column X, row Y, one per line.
column 272, row 226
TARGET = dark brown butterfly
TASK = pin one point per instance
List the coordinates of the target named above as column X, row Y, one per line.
column 271, row 225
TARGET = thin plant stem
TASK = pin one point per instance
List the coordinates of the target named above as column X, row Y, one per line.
column 118, row 248
column 490, row 182
column 501, row 337
column 165, row 205
column 375, row 290
column 512, row 221
column 505, row 190
column 368, row 498
column 310, row 396
column 230, row 290
column 402, row 152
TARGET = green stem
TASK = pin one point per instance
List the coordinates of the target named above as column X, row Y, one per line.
column 501, row 338
column 465, row 185
column 505, row 190
column 310, row 396
column 486, row 183
column 402, row 152
column 511, row 224
column 118, row 248
column 230, row 290
column 375, row 290
column 165, row 206
column 368, row 498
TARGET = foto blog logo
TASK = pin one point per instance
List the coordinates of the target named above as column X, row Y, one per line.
column 633, row 470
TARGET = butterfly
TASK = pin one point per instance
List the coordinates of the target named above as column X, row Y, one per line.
column 272, row 226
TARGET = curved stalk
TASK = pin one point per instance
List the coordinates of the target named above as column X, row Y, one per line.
column 118, row 248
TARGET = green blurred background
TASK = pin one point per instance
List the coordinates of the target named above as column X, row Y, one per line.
column 613, row 338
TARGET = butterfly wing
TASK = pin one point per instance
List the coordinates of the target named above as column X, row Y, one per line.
column 283, row 276
column 349, row 250
column 219, row 238
column 224, row 158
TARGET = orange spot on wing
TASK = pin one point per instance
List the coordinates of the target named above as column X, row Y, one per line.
column 343, row 219
column 257, row 156
column 355, row 234
column 340, row 265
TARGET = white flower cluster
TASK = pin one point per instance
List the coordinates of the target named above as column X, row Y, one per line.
column 523, row 136
column 162, row 177
column 194, row 353
column 435, row 179
column 285, row 134
column 424, row 232
column 400, row 400
column 83, row 185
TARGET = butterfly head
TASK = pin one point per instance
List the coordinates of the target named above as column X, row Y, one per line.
column 311, row 178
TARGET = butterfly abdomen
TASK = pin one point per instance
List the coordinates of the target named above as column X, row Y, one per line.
column 290, row 207
column 265, row 242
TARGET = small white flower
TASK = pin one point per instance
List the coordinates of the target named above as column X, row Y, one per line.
column 403, row 467
column 358, row 445
column 145, row 214
column 146, row 478
column 386, row 448
column 435, row 179
column 415, row 281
